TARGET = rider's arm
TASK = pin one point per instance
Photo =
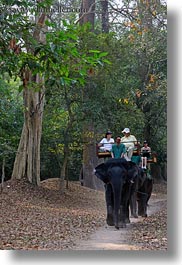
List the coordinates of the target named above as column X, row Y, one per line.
column 112, row 153
column 101, row 143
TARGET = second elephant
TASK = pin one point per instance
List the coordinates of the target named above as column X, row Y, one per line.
column 142, row 194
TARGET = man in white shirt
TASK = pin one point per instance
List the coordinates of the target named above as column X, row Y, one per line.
column 129, row 141
column 106, row 143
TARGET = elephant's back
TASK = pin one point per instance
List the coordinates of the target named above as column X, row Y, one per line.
column 116, row 162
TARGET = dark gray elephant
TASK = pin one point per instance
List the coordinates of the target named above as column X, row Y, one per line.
column 119, row 176
column 143, row 190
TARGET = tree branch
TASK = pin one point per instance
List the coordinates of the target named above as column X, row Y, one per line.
column 86, row 13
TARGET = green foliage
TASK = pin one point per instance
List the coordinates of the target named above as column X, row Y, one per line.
column 11, row 120
column 112, row 80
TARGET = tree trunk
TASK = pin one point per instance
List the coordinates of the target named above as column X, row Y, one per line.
column 156, row 172
column 64, row 168
column 90, row 160
column 145, row 15
column 3, row 174
column 164, row 171
column 89, row 150
column 89, row 15
column 163, row 166
column 105, row 16
column 27, row 161
column 147, row 131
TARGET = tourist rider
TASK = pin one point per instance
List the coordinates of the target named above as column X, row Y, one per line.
column 145, row 154
column 129, row 141
column 118, row 149
column 106, row 143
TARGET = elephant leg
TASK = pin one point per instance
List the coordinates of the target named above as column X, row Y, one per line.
column 117, row 176
column 109, row 204
column 116, row 217
column 124, row 209
column 145, row 205
column 122, row 217
column 133, row 205
column 144, row 208
column 118, row 209
column 133, row 199
column 126, row 212
column 110, row 219
column 142, row 205
column 119, row 212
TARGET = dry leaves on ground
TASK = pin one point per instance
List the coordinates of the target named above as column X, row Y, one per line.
column 151, row 232
column 41, row 218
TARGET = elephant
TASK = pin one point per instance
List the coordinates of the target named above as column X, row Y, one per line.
column 142, row 194
column 119, row 176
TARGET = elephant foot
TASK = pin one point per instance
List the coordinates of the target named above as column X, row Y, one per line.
column 123, row 225
column 144, row 215
column 134, row 216
column 109, row 219
column 140, row 213
column 127, row 220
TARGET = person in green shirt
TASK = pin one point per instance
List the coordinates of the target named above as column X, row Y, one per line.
column 118, row 149
column 136, row 159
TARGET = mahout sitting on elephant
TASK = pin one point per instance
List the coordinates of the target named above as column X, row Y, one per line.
column 139, row 198
column 119, row 176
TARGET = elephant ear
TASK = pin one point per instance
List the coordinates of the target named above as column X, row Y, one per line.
column 101, row 172
column 133, row 170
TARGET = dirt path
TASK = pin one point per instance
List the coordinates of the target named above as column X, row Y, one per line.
column 108, row 238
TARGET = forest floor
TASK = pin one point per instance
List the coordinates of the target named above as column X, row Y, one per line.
column 41, row 218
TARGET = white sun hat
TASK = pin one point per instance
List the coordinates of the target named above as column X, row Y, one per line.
column 126, row 130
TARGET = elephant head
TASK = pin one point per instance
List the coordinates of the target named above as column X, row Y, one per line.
column 119, row 174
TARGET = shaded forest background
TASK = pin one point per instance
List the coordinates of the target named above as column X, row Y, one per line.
column 68, row 76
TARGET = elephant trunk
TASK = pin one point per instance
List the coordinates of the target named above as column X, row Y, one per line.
column 118, row 206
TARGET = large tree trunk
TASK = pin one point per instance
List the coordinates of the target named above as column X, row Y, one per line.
column 90, row 160
column 27, row 161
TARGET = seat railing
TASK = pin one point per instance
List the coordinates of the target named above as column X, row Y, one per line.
column 136, row 152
